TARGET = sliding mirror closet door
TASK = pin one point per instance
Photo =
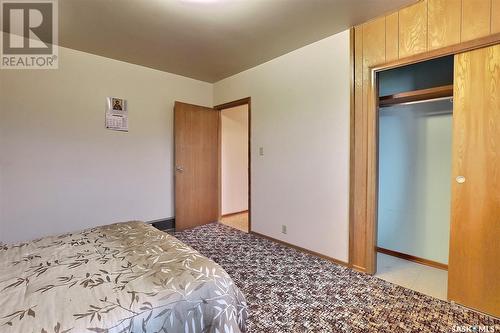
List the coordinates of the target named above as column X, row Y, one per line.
column 474, row 269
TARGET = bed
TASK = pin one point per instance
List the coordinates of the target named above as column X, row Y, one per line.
column 125, row 277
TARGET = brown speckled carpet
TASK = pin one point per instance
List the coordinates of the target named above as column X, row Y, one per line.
column 290, row 291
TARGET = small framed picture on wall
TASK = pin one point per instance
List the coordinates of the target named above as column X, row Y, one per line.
column 116, row 114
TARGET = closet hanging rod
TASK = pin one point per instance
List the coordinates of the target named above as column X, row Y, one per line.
column 419, row 102
column 422, row 95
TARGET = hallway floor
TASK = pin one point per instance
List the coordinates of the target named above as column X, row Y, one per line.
column 238, row 221
column 425, row 279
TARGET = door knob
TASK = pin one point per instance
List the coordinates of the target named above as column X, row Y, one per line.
column 180, row 169
column 460, row 179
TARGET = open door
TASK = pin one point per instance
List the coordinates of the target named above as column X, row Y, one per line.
column 474, row 272
column 196, row 135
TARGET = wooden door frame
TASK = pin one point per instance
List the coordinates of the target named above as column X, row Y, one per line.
column 370, row 160
column 229, row 105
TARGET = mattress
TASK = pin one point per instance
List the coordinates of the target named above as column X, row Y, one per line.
column 125, row 277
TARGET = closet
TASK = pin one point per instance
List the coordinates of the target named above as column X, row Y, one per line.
column 414, row 161
column 438, row 169
column 474, row 265
column 468, row 33
column 415, row 131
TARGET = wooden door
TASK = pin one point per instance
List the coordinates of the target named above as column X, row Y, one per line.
column 474, row 264
column 196, row 165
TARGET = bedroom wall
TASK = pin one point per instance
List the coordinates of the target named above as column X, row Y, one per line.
column 61, row 170
column 234, row 156
column 300, row 118
column 415, row 179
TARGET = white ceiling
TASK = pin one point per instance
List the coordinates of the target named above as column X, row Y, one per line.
column 206, row 39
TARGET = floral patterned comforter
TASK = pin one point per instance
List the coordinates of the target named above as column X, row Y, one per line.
column 125, row 277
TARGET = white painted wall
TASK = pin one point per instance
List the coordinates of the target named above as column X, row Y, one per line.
column 234, row 156
column 300, row 116
column 61, row 170
column 415, row 180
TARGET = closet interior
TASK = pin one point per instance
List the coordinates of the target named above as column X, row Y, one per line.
column 414, row 169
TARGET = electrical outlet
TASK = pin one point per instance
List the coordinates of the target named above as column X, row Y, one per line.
column 261, row 151
column 283, row 229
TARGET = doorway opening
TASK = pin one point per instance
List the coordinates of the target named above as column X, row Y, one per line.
column 414, row 175
column 234, row 165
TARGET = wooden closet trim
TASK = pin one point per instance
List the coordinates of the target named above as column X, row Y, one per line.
column 352, row 121
column 409, row 257
column 371, row 158
column 441, row 52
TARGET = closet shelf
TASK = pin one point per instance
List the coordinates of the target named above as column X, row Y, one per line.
column 416, row 96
